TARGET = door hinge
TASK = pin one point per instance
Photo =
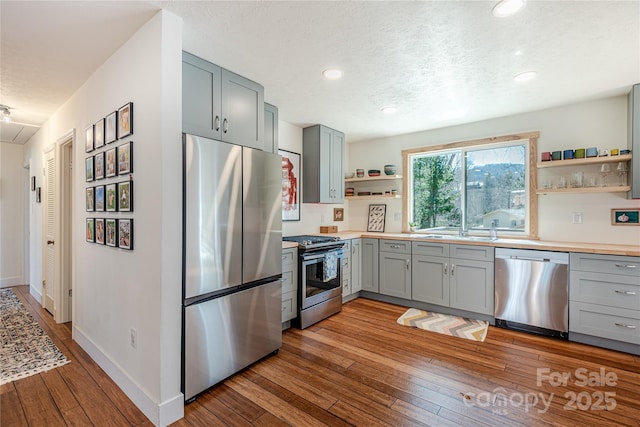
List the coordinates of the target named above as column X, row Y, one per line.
column 70, row 293
column 44, row 283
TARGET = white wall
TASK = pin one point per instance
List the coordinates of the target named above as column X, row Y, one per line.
column 12, row 194
column 117, row 290
column 312, row 215
column 601, row 123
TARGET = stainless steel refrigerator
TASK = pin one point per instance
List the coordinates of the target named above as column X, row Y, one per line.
column 232, row 260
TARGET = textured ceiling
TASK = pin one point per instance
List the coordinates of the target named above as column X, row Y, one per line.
column 441, row 63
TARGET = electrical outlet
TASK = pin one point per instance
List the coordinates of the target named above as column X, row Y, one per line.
column 134, row 338
column 577, row 217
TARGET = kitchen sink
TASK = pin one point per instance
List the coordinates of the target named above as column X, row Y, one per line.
column 477, row 238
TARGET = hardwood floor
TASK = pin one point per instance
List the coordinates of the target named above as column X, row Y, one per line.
column 359, row 368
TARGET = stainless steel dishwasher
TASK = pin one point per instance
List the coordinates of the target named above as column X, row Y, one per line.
column 531, row 291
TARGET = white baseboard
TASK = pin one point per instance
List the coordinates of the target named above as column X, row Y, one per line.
column 7, row 282
column 161, row 414
column 35, row 294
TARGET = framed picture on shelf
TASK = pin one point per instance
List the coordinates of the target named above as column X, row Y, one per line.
column 290, row 185
column 376, row 218
column 125, row 120
column 88, row 169
column 90, row 198
column 98, row 164
column 110, row 128
column 91, row 231
column 125, row 196
column 110, row 195
column 125, row 233
column 100, row 230
column 99, row 195
column 125, row 158
column 98, row 137
column 625, row 216
column 110, row 232
column 88, row 139
column 110, row 162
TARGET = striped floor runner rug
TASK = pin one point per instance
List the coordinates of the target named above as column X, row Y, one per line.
column 471, row 329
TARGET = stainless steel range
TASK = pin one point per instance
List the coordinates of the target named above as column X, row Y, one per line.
column 319, row 278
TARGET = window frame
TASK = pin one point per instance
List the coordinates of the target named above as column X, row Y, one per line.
column 531, row 138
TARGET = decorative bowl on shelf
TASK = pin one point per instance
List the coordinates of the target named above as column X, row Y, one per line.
column 348, row 175
column 390, row 169
column 374, row 172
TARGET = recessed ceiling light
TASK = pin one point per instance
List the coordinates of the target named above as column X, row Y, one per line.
column 332, row 74
column 525, row 77
column 389, row 109
column 506, row 8
column 518, row 53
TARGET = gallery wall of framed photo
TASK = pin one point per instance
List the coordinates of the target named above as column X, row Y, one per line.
column 109, row 175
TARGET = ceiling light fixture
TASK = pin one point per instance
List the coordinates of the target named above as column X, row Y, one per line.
column 506, row 8
column 390, row 109
column 332, row 74
column 6, row 114
column 527, row 76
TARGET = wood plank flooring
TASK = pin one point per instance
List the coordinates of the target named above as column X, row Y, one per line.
column 359, row 368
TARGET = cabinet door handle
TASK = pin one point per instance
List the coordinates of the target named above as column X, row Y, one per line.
column 453, row 267
column 225, row 125
column 217, row 123
column 284, row 257
column 407, row 264
column 446, row 267
column 50, row 242
column 625, row 265
column 394, row 246
column 624, row 292
column 624, row 325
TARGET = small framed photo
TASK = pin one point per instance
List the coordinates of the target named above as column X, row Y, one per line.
column 99, row 195
column 98, row 138
column 125, row 158
column 38, row 195
column 376, row 218
column 125, row 120
column 110, row 128
column 125, row 196
column 110, row 238
column 91, row 231
column 110, row 162
column 125, row 233
column 625, row 216
column 98, row 164
column 88, row 139
column 88, row 169
column 338, row 214
column 110, row 194
column 33, row 183
column 90, row 198
column 100, row 230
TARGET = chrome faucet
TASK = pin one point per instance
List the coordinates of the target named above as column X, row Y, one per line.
column 457, row 215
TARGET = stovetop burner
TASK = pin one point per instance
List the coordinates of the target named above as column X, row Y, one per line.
column 311, row 242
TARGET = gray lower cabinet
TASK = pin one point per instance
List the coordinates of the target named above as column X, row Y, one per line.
column 604, row 296
column 465, row 282
column 346, row 268
column 356, row 265
column 369, row 278
column 395, row 268
column 270, row 128
column 323, row 165
column 222, row 105
column 289, row 283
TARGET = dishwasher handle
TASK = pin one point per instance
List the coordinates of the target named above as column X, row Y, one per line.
column 520, row 258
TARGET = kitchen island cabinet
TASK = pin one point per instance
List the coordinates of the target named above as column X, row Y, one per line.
column 221, row 105
column 323, row 165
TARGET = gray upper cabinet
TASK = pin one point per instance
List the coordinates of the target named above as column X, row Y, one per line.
column 369, row 257
column 323, row 165
column 270, row 128
column 222, row 105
